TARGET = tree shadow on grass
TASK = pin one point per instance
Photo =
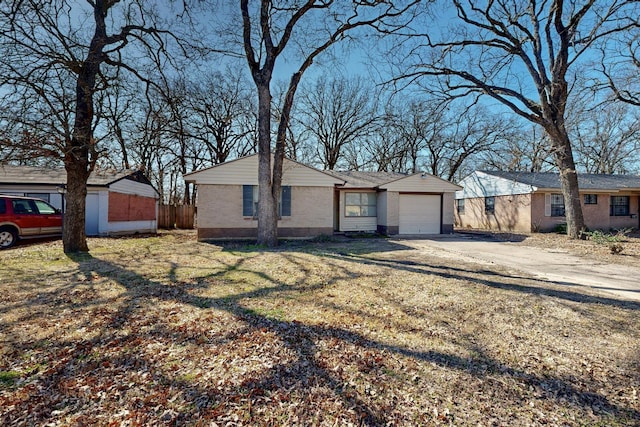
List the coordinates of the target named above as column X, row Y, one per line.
column 307, row 369
column 333, row 244
column 502, row 280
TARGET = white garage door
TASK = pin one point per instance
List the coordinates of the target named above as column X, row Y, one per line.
column 419, row 214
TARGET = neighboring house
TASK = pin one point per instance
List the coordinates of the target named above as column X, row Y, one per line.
column 122, row 202
column 315, row 202
column 523, row 201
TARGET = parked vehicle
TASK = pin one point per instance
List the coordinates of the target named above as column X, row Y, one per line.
column 27, row 217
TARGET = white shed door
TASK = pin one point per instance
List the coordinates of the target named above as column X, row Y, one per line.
column 419, row 214
column 92, row 218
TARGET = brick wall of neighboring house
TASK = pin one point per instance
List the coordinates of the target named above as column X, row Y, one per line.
column 596, row 217
column 512, row 213
column 631, row 221
column 448, row 212
column 540, row 220
column 130, row 207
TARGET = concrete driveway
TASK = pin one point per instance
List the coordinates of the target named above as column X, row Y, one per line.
column 555, row 266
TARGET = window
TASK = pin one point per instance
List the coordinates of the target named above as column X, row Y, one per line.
column 250, row 197
column 43, row 196
column 3, row 206
column 590, row 199
column 557, row 205
column 619, row 206
column 360, row 204
column 460, row 203
column 489, row 205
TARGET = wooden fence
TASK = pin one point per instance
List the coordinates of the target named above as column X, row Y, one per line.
column 171, row 216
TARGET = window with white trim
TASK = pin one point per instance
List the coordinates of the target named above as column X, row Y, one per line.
column 360, row 204
column 619, row 206
column 460, row 205
column 557, row 205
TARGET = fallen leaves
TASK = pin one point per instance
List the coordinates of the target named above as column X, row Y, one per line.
column 331, row 333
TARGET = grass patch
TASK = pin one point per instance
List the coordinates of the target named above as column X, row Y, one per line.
column 166, row 330
column 8, row 378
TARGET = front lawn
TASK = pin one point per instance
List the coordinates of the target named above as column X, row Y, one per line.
column 167, row 331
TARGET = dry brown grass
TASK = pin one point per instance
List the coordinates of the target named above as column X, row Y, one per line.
column 167, row 331
column 598, row 249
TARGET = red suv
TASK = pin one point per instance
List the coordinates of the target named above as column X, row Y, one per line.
column 27, row 217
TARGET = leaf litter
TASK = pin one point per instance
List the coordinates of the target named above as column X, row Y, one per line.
column 164, row 330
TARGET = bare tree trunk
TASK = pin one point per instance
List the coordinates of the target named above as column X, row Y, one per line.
column 74, row 237
column 79, row 154
column 554, row 123
column 563, row 155
column 267, row 215
column 123, row 145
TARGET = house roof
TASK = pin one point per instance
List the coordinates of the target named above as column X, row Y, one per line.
column 360, row 179
column 21, row 175
column 395, row 181
column 244, row 171
column 585, row 181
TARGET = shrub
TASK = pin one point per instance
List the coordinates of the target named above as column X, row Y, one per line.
column 613, row 240
column 561, row 228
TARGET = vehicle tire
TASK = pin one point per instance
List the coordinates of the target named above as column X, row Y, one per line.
column 8, row 237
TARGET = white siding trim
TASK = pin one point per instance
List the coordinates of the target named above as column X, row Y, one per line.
column 480, row 184
column 129, row 227
column 127, row 186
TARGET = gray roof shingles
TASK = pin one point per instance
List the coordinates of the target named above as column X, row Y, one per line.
column 55, row 176
column 360, row 179
column 585, row 181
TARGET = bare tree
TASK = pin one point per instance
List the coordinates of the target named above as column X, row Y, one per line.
column 180, row 125
column 607, row 140
column 383, row 150
column 465, row 136
column 521, row 53
column 119, row 108
column 221, row 107
column 53, row 65
column 521, row 149
column 620, row 65
column 421, row 125
column 337, row 112
column 436, row 135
